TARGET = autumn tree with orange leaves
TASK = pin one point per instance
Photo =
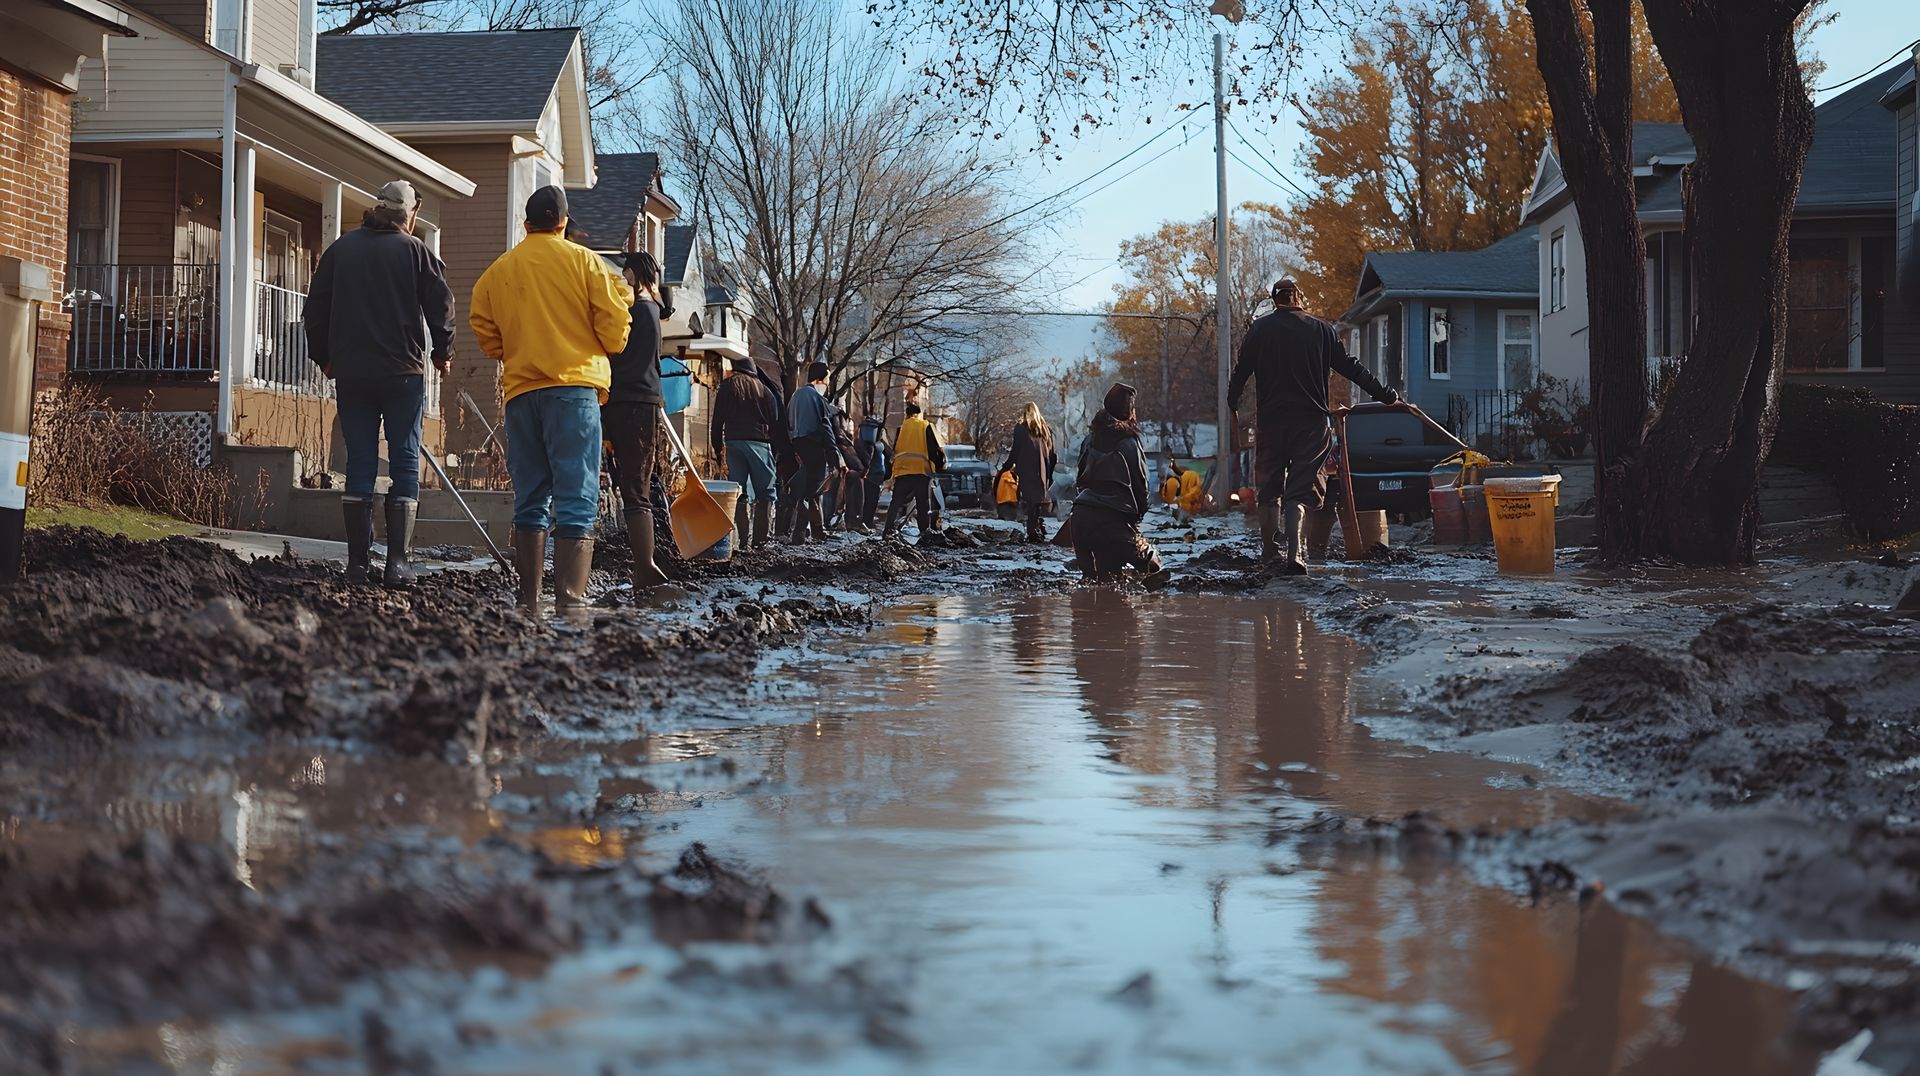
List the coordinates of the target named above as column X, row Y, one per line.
column 1428, row 139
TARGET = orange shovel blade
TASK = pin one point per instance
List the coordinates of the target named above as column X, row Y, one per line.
column 698, row 521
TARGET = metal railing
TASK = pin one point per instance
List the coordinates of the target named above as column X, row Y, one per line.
column 144, row 319
column 280, row 341
column 1491, row 421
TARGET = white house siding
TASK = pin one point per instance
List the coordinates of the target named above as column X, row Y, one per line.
column 276, row 33
column 158, row 83
column 1563, row 333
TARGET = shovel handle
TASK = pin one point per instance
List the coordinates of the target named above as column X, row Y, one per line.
column 498, row 556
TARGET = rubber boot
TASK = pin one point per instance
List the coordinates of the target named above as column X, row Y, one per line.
column 359, row 518
column 762, row 523
column 529, row 564
column 572, row 563
column 401, row 512
column 1296, row 519
column 814, row 518
column 646, row 573
column 742, row 526
column 1270, row 533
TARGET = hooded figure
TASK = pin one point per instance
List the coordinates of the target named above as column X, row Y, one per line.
column 1112, row 496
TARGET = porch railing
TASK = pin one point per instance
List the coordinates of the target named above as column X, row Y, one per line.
column 144, row 319
column 280, row 341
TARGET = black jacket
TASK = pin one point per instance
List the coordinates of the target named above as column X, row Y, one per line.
column 872, row 446
column 1113, row 469
column 1291, row 351
column 636, row 370
column 1032, row 460
column 376, row 300
column 743, row 410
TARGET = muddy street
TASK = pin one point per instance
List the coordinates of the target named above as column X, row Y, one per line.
column 950, row 816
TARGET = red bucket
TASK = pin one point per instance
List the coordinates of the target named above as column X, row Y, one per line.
column 1449, row 516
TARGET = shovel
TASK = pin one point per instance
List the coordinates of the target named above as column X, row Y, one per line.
column 698, row 520
column 447, row 483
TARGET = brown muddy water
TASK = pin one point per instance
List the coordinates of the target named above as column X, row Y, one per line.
column 1050, row 833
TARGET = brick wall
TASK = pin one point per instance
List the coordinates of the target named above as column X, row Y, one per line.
column 36, row 133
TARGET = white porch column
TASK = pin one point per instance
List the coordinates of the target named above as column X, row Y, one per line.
column 229, row 341
column 244, row 331
column 330, row 215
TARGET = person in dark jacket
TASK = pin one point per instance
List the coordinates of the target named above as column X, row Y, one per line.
column 847, row 486
column 1032, row 460
column 1112, row 496
column 631, row 416
column 378, row 311
column 810, row 424
column 876, row 462
column 1290, row 353
column 746, row 416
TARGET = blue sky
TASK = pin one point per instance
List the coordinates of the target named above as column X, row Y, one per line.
column 1179, row 185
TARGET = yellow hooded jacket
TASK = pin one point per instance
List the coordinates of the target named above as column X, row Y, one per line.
column 551, row 311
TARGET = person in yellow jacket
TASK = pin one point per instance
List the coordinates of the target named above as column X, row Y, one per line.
column 1006, row 494
column 552, row 311
column 1170, row 490
column 1193, row 491
column 917, row 458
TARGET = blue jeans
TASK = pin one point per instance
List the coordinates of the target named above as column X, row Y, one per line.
column 750, row 463
column 553, row 454
column 366, row 403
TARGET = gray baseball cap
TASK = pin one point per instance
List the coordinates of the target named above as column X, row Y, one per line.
column 399, row 194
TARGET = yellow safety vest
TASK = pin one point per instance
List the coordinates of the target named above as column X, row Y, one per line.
column 913, row 448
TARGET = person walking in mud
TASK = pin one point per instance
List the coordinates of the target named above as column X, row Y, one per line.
column 746, row 416
column 810, row 425
column 849, row 483
column 551, row 311
column 378, row 311
column 631, row 417
column 1112, row 496
column 1032, row 460
column 876, row 464
column 1290, row 353
column 917, row 458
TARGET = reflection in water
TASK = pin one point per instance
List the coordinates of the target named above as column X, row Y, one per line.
column 1049, row 819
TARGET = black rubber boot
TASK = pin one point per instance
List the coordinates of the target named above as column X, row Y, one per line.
column 1270, row 550
column 1296, row 558
column 401, row 512
column 762, row 523
column 742, row 526
column 646, row 573
column 359, row 518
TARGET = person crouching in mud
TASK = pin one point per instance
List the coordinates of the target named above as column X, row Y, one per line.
column 1112, row 496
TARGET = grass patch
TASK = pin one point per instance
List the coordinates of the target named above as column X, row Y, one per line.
column 113, row 519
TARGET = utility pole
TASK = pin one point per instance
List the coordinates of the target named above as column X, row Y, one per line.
column 1166, row 394
column 1223, row 321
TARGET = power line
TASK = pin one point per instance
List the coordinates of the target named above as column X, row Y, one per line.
column 1256, row 170
column 1284, row 178
column 1062, row 192
column 1871, row 71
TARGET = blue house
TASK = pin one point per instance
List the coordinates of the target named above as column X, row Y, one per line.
column 1450, row 329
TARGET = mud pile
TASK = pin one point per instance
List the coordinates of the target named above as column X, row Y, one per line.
column 163, row 930
column 109, row 639
column 1816, row 708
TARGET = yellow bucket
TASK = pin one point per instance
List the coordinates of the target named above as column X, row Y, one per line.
column 1522, row 514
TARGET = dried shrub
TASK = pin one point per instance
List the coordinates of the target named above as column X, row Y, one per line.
column 85, row 453
column 1869, row 449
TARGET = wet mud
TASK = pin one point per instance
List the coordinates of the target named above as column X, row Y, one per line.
column 865, row 804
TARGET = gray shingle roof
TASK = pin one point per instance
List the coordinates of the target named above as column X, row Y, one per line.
column 604, row 215
column 673, row 267
column 502, row 75
column 1850, row 165
column 1508, row 267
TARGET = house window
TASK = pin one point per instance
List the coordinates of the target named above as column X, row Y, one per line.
column 1516, row 349
column 1819, row 305
column 1380, row 348
column 1557, row 272
column 95, row 196
column 1440, row 329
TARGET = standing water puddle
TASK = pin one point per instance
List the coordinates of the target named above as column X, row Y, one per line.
column 1043, row 828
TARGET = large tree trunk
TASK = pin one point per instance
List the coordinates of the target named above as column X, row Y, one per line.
column 1593, row 131
column 1747, row 109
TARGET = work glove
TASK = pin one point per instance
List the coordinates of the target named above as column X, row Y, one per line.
column 1389, row 397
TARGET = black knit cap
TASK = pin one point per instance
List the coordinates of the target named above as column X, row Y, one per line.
column 1119, row 401
column 547, row 208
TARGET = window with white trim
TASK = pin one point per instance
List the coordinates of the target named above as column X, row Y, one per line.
column 1557, row 272
column 1516, row 349
column 1439, row 343
column 1381, row 346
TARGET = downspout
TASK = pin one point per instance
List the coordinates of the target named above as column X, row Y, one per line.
column 229, row 327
